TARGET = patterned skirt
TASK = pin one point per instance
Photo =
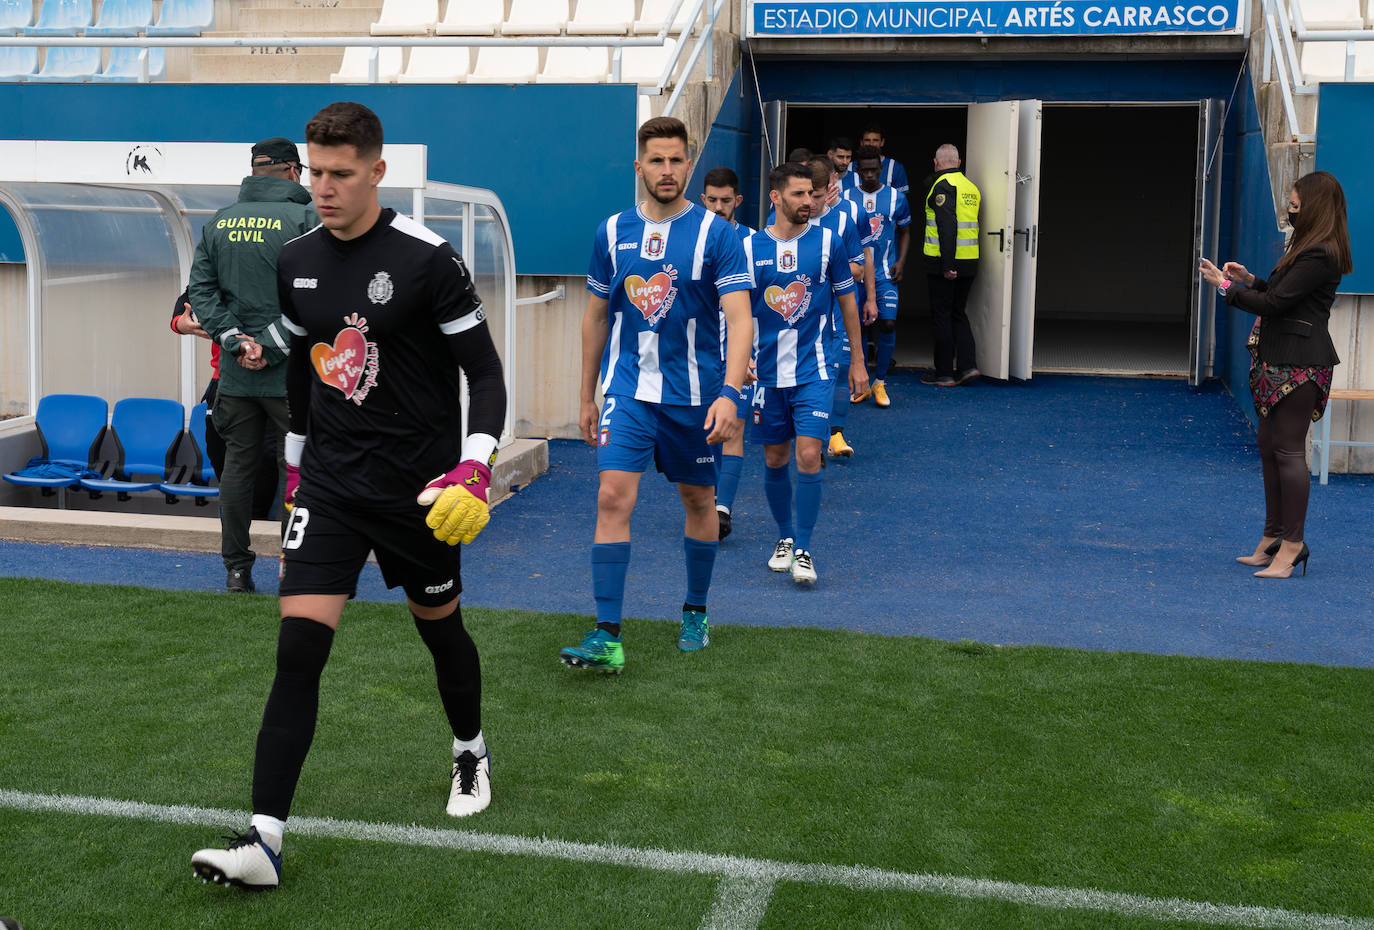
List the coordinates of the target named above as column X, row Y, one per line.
column 1270, row 384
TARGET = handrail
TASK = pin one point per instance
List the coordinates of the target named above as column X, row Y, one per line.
column 692, row 61
column 1285, row 88
column 671, row 64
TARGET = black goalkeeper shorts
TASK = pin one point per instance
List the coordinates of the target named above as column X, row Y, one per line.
column 325, row 546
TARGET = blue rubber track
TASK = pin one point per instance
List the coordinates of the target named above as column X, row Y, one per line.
column 1100, row 513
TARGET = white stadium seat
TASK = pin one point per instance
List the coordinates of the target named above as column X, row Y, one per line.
column 436, row 64
column 644, row 64
column 1331, row 14
column 568, row 65
column 1325, row 61
column 602, row 17
column 654, row 13
column 497, row 65
column 472, row 18
column 353, row 69
column 536, row 18
column 406, row 18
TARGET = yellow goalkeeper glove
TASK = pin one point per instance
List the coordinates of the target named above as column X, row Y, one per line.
column 457, row 502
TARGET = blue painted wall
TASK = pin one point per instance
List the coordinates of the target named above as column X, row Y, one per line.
column 727, row 143
column 11, row 249
column 542, row 148
column 1345, row 137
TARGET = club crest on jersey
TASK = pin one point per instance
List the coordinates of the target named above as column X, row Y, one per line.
column 654, row 297
column 605, row 435
column 654, row 245
column 380, row 288
column 350, row 363
column 787, row 259
column 789, row 302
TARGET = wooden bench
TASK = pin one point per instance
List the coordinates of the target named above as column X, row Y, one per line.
column 1322, row 443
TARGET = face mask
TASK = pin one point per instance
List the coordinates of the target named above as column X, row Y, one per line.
column 1293, row 218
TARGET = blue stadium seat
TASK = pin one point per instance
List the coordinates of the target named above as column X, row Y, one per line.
column 69, row 64
column 17, row 64
column 15, row 16
column 184, row 18
column 62, row 18
column 123, row 18
column 146, row 431
column 70, row 428
column 123, row 65
column 196, row 480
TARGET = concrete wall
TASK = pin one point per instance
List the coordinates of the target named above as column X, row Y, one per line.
column 14, row 340
column 549, row 352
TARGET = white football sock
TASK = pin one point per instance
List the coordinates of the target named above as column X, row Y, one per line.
column 477, row 746
column 271, row 830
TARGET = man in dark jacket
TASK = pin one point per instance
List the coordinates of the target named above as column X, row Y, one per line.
column 233, row 291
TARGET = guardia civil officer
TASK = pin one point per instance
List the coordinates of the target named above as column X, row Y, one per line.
column 951, row 258
column 233, row 292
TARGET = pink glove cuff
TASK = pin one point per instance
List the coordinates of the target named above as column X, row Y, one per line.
column 293, row 481
column 475, row 478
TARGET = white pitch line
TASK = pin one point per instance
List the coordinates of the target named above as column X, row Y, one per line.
column 740, row 904
column 759, row 871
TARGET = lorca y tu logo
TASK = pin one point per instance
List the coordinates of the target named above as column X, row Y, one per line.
column 350, row 364
column 653, row 297
column 790, row 302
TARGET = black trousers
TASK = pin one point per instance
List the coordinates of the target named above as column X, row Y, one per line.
column 954, row 349
column 1282, row 446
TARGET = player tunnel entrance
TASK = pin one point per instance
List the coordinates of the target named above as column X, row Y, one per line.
column 1114, row 238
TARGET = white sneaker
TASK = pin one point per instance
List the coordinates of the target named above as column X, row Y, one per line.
column 471, row 791
column 782, row 555
column 248, row 863
column 803, row 571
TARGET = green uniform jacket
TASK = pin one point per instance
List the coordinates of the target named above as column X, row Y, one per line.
column 234, row 279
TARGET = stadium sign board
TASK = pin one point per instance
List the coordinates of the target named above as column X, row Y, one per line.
column 768, row 19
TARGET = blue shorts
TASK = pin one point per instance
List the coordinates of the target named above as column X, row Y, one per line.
column 634, row 433
column 780, row 414
column 887, row 299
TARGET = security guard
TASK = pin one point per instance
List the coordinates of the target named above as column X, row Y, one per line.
column 951, row 257
column 233, row 291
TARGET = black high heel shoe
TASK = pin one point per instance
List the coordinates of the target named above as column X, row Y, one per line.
column 1271, row 550
column 1287, row 571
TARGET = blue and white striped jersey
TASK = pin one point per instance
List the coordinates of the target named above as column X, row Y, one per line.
column 887, row 211
column 793, row 283
column 842, row 219
column 744, row 232
column 663, row 283
column 892, row 174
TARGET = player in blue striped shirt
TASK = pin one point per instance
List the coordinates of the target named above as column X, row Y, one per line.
column 660, row 275
column 797, row 267
column 720, row 194
column 890, row 221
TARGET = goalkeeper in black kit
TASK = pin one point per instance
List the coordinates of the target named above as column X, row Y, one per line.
column 383, row 317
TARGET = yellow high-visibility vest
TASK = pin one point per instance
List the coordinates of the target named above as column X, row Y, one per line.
column 966, row 200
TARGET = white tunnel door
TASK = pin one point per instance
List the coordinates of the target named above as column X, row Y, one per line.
column 1026, row 240
column 1206, row 236
column 990, row 163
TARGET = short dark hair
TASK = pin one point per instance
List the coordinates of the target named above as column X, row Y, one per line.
column 841, row 142
column 799, row 154
column 874, row 127
column 868, row 153
column 822, row 169
column 346, row 123
column 721, row 177
column 661, row 127
column 779, row 176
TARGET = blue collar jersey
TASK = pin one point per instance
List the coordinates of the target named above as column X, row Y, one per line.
column 842, row 220
column 887, row 212
column 891, row 173
column 663, row 283
column 793, row 283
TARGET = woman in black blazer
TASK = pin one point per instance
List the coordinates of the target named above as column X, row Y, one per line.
column 1291, row 357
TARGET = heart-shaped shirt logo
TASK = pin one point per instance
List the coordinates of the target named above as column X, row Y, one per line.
column 648, row 295
column 785, row 300
column 342, row 364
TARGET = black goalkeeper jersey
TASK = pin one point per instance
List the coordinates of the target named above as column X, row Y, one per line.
column 377, row 314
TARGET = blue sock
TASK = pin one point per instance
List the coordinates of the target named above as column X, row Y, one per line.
column 609, row 564
column 728, row 484
column 701, row 558
column 808, row 507
column 839, row 403
column 887, row 344
column 777, row 487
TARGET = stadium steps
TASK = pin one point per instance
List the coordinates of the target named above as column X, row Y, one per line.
column 517, row 465
column 260, row 64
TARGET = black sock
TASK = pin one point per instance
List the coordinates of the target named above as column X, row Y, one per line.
column 612, row 628
column 699, row 608
column 288, row 722
column 457, row 670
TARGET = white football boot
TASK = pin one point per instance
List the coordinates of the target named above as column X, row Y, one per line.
column 781, row 560
column 248, row 863
column 803, row 569
column 471, row 791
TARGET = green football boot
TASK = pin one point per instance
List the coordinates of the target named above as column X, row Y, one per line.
column 599, row 652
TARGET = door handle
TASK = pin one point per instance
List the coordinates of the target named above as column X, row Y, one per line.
column 1001, row 239
column 1026, row 233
